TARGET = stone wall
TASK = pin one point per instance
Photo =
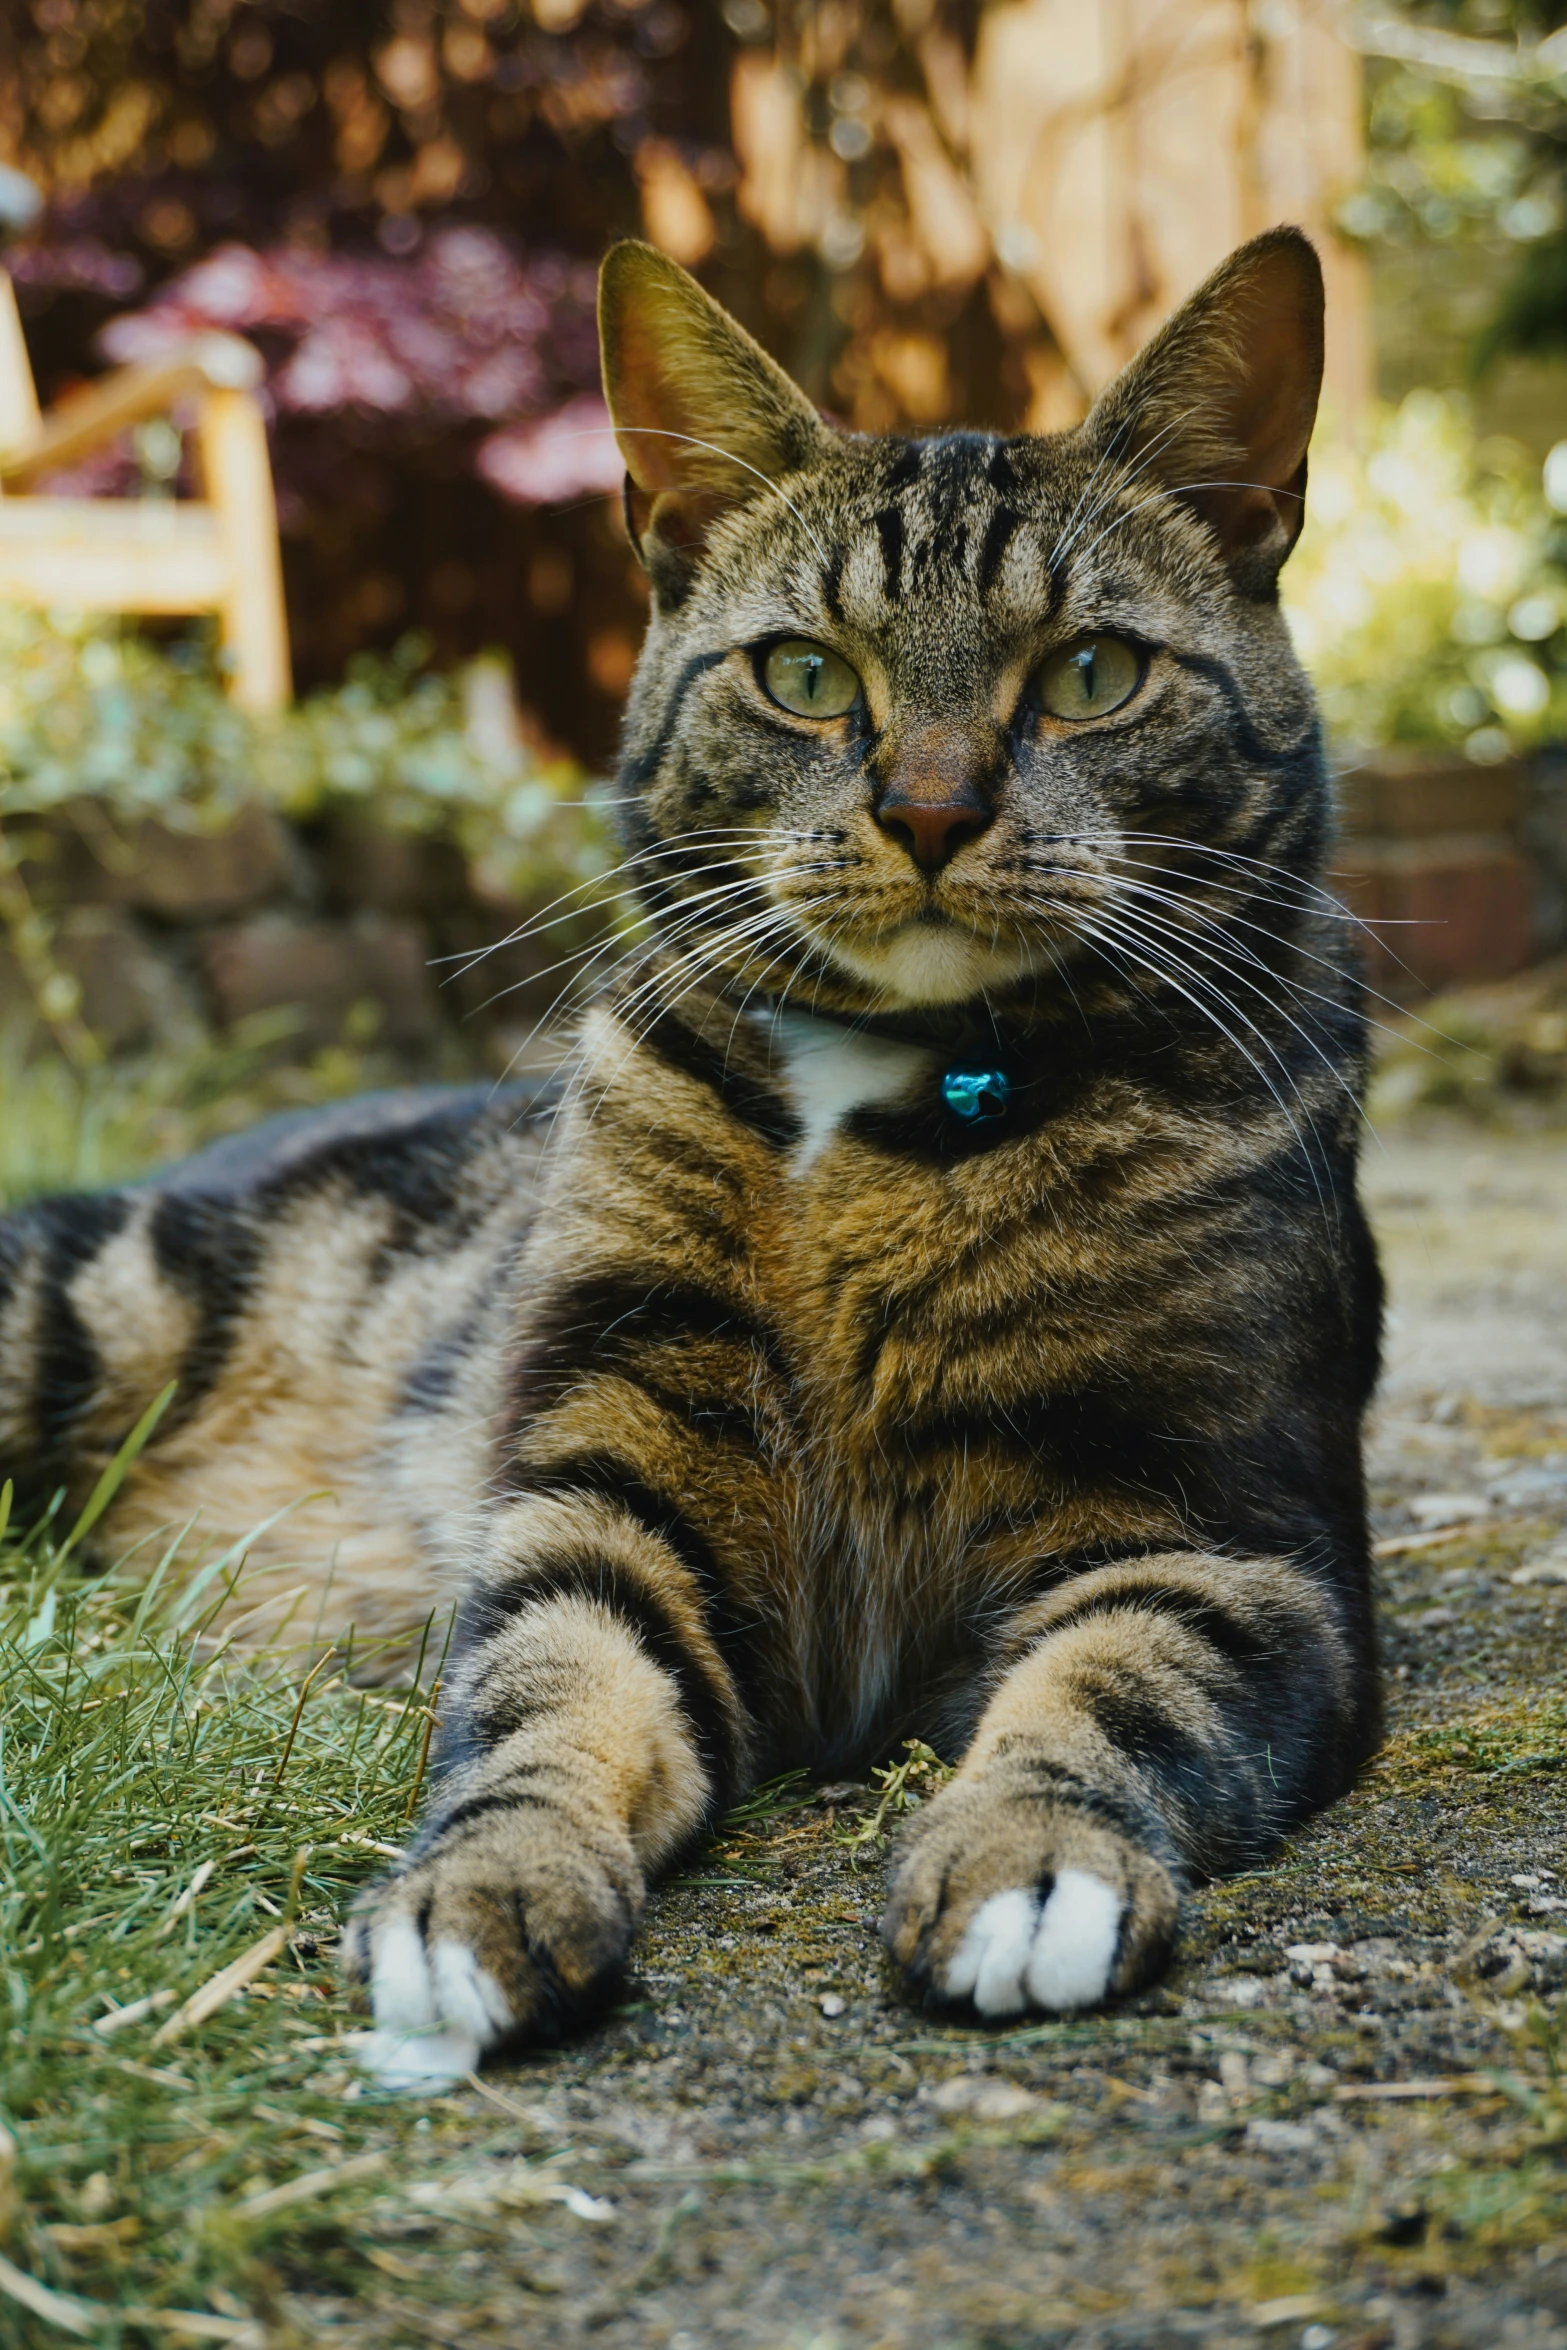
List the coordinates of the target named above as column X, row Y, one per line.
column 362, row 936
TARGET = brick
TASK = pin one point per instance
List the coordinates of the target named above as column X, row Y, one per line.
column 1454, row 908
column 1414, row 795
column 325, row 971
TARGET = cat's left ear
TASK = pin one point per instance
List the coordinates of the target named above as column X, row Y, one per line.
column 1217, row 410
column 705, row 419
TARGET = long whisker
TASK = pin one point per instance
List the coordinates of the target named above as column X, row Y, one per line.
column 1218, row 962
column 652, row 995
column 1160, row 963
column 1320, row 901
column 709, row 954
column 692, row 912
column 1145, row 457
column 1313, row 891
column 1178, row 489
column 1223, row 931
column 674, row 846
column 716, row 449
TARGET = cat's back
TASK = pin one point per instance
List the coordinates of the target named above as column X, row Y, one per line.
column 328, row 1298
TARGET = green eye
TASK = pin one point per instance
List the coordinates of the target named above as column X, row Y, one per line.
column 1088, row 679
column 809, row 679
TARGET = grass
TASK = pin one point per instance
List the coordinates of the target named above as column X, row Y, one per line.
column 165, row 1806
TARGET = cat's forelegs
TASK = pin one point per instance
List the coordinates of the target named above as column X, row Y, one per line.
column 589, row 1727
column 1165, row 1719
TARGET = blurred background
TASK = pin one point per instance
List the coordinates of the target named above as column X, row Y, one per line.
column 232, row 879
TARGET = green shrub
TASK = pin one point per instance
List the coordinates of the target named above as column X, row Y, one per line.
column 1428, row 595
column 91, row 709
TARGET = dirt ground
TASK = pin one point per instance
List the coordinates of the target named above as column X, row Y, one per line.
column 1334, row 2124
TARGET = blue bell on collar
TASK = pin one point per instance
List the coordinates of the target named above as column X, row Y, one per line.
column 975, row 1095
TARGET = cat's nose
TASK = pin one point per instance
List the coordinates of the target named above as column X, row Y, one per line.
column 933, row 830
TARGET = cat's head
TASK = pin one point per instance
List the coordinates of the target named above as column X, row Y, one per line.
column 925, row 722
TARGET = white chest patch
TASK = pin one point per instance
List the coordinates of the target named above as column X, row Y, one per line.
column 831, row 1071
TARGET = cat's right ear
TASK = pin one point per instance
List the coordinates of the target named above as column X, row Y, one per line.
column 1218, row 409
column 705, row 420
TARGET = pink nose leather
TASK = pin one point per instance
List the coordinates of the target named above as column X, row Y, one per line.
column 932, row 831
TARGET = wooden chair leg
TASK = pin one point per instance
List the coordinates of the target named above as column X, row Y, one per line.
column 238, row 475
column 18, row 400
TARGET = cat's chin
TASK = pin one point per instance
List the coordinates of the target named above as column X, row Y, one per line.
column 934, row 963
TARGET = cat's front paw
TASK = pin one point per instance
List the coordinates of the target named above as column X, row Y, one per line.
column 1021, row 1900
column 499, row 1929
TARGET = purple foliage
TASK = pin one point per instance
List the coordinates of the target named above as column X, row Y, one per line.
column 468, row 331
column 76, row 265
column 569, row 454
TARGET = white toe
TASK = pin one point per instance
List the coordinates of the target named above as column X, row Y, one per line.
column 1075, row 1943
column 989, row 1961
column 416, row 2060
column 469, row 1998
column 400, row 1985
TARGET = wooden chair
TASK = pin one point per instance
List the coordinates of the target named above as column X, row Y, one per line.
column 216, row 554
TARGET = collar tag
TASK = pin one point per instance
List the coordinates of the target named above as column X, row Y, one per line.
column 975, row 1094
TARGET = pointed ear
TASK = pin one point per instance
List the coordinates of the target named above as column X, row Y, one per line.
column 1219, row 407
column 705, row 420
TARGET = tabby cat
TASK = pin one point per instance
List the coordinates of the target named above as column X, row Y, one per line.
column 934, row 1299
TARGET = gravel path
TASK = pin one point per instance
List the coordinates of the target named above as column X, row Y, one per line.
column 1334, row 2124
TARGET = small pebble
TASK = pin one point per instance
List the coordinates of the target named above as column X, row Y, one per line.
column 982, row 2097
column 832, row 2005
column 1279, row 2137
column 1448, row 1509
column 1551, row 1569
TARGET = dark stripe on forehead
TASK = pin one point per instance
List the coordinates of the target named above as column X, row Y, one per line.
column 889, row 529
column 1000, row 472
column 998, row 537
column 832, row 577
column 905, row 467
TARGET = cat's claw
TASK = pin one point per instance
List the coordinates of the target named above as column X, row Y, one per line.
column 1019, row 1951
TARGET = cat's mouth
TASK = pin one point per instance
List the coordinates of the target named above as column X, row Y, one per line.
column 947, row 939
column 930, row 958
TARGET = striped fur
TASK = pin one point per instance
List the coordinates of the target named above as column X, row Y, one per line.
column 758, row 1411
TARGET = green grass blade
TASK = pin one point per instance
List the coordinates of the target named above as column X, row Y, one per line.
column 115, row 1474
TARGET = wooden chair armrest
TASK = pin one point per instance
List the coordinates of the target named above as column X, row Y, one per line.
column 93, row 415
